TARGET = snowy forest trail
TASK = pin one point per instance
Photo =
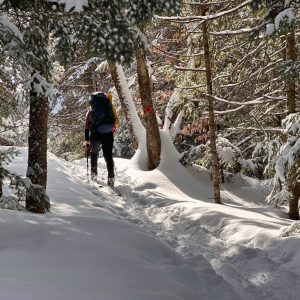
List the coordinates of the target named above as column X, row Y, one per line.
column 85, row 249
column 233, row 251
column 240, row 240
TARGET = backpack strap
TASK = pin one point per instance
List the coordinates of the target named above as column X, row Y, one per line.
column 97, row 118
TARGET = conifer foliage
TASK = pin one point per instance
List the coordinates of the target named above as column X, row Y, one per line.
column 34, row 62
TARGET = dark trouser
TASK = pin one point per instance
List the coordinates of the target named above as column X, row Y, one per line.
column 106, row 140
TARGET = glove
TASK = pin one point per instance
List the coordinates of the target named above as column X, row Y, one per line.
column 87, row 147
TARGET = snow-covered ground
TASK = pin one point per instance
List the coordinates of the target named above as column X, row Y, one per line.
column 164, row 238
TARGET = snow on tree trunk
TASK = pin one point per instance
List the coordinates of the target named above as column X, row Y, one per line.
column 212, row 130
column 173, row 119
column 152, row 131
column 291, row 54
column 138, row 128
column 124, row 103
column 140, row 158
column 37, row 146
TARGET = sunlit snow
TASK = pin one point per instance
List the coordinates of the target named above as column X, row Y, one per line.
column 164, row 238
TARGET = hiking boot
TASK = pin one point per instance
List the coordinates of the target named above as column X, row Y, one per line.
column 94, row 161
column 111, row 181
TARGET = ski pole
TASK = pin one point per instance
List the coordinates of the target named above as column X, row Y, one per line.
column 87, row 162
column 87, row 166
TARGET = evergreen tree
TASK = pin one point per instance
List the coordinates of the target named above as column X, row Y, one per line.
column 32, row 17
column 286, row 189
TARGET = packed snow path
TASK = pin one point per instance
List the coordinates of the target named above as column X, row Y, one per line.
column 86, row 249
column 240, row 241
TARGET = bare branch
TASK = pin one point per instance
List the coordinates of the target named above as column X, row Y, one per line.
column 229, row 111
column 259, row 100
column 191, row 87
column 280, row 130
column 189, row 69
column 205, row 18
column 238, row 31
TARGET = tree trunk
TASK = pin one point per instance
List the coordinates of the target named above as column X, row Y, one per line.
column 38, row 120
column 294, row 189
column 294, row 203
column 152, row 131
column 114, row 74
column 212, row 127
column 1, row 176
column 37, row 145
column 291, row 54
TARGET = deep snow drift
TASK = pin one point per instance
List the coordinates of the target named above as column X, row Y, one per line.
column 162, row 239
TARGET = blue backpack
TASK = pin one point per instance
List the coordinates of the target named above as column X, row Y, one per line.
column 103, row 113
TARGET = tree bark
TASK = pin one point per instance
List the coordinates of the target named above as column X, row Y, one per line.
column 294, row 186
column 294, row 189
column 212, row 127
column 152, row 131
column 291, row 54
column 38, row 120
column 1, row 176
column 114, row 74
column 37, row 145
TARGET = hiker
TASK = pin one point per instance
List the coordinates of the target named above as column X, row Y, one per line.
column 100, row 124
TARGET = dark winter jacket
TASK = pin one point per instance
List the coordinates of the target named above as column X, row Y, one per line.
column 104, row 127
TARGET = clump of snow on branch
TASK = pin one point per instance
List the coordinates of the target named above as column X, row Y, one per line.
column 4, row 23
column 285, row 17
column 10, row 202
column 230, row 156
column 173, row 104
column 102, row 67
column 293, row 229
column 270, row 29
column 40, row 85
column 77, row 5
column 267, row 153
column 287, row 164
column 82, row 69
column 22, row 187
column 6, row 129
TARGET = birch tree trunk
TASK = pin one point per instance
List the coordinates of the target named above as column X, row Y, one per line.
column 152, row 131
column 291, row 54
column 114, row 74
column 212, row 127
